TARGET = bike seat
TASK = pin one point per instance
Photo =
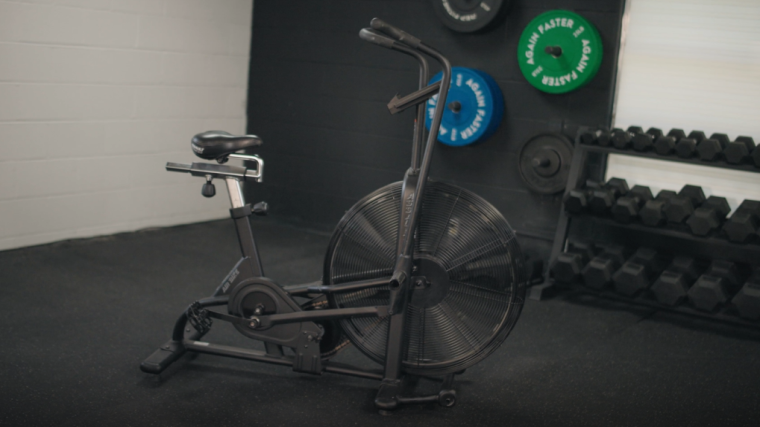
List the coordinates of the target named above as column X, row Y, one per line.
column 214, row 144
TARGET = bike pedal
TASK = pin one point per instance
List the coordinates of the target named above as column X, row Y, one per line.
column 199, row 318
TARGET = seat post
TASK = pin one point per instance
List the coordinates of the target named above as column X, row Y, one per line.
column 240, row 213
column 235, row 191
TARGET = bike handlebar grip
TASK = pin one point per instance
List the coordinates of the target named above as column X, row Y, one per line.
column 400, row 35
column 367, row 34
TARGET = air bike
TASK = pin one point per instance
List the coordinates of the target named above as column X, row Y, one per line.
column 425, row 278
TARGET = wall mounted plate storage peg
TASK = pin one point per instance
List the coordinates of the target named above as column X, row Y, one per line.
column 468, row 16
column 559, row 51
column 475, row 107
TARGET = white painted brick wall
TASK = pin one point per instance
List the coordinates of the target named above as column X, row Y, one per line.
column 97, row 95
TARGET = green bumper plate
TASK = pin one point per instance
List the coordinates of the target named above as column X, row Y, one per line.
column 559, row 51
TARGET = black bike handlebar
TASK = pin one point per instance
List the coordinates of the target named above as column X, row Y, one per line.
column 368, row 35
column 400, row 35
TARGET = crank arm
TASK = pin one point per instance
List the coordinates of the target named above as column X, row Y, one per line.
column 398, row 105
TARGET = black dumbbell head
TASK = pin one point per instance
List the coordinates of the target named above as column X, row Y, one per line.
column 708, row 293
column 741, row 227
column 619, row 184
column 655, row 132
column 647, row 257
column 697, row 135
column 576, row 201
column 677, row 133
column 678, row 209
column 747, row 300
column 598, row 273
column 748, row 140
column 635, row 129
column 722, row 137
column 642, row 141
column 671, row 287
column 726, row 270
column 739, row 151
column 719, row 204
column 604, row 137
column 703, row 221
column 621, row 139
column 625, row 209
column 631, row 279
column 652, row 213
column 710, row 149
column 686, row 147
column 642, row 192
column 567, row 267
column 588, row 137
column 601, row 200
column 688, row 266
column 666, row 195
column 693, row 192
column 752, row 206
column 586, row 250
column 709, row 217
column 756, row 156
column 665, row 145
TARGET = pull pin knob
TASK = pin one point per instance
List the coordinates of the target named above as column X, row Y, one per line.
column 208, row 189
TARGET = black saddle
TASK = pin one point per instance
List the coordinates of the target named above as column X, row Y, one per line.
column 215, row 144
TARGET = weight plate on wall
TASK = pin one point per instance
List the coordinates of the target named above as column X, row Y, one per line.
column 559, row 51
column 545, row 162
column 468, row 16
column 474, row 111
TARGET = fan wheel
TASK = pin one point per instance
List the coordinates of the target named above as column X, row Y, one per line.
column 473, row 269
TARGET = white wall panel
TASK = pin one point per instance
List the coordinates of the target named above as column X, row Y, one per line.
column 97, row 95
column 690, row 64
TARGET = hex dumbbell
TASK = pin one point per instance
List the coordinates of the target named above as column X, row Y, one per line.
column 687, row 147
column 672, row 286
column 756, row 156
column 622, row 139
column 589, row 136
column 666, row 144
column 738, row 151
column 604, row 137
column 638, row 271
column 602, row 198
column 597, row 274
column 709, row 216
column 643, row 141
column 653, row 211
column 576, row 200
column 711, row 149
column 680, row 207
column 627, row 207
column 569, row 264
column 747, row 300
column 714, row 288
column 742, row 225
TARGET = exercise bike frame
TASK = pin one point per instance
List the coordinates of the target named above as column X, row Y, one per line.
column 195, row 322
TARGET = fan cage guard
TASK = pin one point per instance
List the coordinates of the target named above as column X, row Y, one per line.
column 462, row 233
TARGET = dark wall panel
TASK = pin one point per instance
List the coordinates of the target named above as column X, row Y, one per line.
column 318, row 98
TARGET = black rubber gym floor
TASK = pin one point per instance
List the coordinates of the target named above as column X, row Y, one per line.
column 79, row 316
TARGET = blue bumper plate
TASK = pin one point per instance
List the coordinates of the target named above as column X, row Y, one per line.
column 475, row 107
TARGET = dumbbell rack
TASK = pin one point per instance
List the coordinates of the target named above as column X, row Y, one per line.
column 590, row 163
